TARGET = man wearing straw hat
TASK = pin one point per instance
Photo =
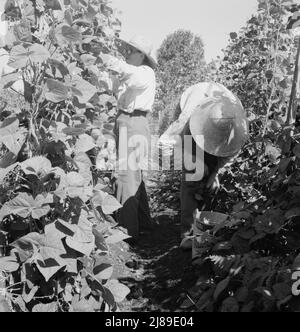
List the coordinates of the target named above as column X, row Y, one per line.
column 216, row 123
column 135, row 92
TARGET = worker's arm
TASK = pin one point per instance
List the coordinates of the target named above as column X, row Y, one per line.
column 137, row 77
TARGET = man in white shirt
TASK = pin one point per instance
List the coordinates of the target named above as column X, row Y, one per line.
column 136, row 94
column 216, row 123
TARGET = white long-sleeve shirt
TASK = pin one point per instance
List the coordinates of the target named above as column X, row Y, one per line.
column 135, row 88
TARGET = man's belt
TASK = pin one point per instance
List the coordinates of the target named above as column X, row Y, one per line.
column 134, row 113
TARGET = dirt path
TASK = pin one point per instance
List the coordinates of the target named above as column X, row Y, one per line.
column 158, row 273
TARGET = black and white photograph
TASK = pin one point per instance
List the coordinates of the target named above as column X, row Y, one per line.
column 149, row 158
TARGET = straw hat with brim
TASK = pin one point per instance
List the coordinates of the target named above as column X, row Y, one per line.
column 219, row 126
column 142, row 45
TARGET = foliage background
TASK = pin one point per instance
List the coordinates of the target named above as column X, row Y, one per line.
column 56, row 231
column 180, row 63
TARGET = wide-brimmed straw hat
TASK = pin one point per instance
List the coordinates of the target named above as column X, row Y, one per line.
column 144, row 46
column 219, row 126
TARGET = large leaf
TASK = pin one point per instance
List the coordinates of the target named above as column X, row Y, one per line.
column 85, row 143
column 47, row 248
column 53, row 4
column 118, row 290
column 108, row 203
column 6, row 81
column 103, row 271
column 25, row 205
column 57, row 91
column 22, row 31
column 83, row 239
column 12, row 136
column 37, row 165
column 50, row 307
column 48, row 267
column 9, row 264
column 70, row 34
column 221, row 287
column 116, row 237
column 75, row 184
column 88, row 60
column 20, row 56
column 7, row 160
column 59, row 65
column 82, row 89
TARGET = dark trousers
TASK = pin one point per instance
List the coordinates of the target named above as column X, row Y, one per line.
column 189, row 203
column 194, row 194
column 130, row 186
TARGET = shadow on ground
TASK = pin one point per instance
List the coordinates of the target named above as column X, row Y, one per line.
column 164, row 273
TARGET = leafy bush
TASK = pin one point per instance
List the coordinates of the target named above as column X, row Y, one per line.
column 180, row 63
column 56, row 153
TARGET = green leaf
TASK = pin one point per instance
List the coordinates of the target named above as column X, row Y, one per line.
column 50, row 250
column 57, row 91
column 99, row 240
column 118, row 290
column 50, row 307
column 76, row 187
column 12, row 136
column 6, row 81
column 116, row 237
column 28, row 297
column 20, row 56
column 39, row 166
column 25, row 205
column 83, row 248
column 60, row 66
column 103, row 271
column 71, row 34
column 85, row 143
column 48, row 267
column 8, row 160
column 73, row 131
column 108, row 203
column 88, row 59
column 81, row 305
column 83, row 239
column 4, row 306
column 9, row 264
column 22, row 31
column 82, row 90
column 221, row 288
column 52, row 4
